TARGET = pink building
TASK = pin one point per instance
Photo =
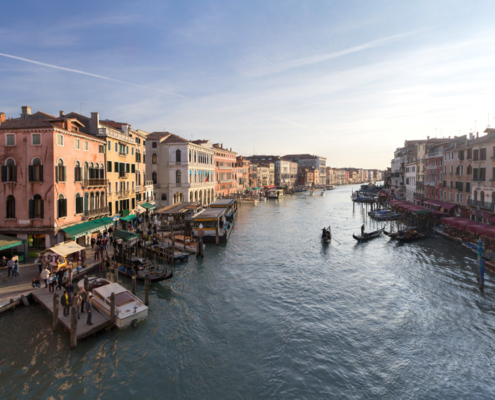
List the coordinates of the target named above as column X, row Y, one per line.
column 53, row 177
column 434, row 171
column 225, row 159
column 242, row 173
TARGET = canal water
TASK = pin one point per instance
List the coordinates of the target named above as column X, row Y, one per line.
column 274, row 314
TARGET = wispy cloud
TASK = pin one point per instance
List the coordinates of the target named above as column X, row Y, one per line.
column 304, row 61
column 76, row 71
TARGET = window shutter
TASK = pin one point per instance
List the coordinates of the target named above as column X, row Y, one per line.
column 42, row 213
column 85, row 203
column 109, row 166
column 4, row 173
column 63, row 174
column 15, row 173
column 31, row 209
column 41, row 173
column 31, row 173
column 56, row 174
column 64, row 207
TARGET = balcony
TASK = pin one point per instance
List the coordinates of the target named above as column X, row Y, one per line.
column 431, row 183
column 419, row 195
column 433, row 154
column 481, row 204
column 115, row 134
column 96, row 212
column 122, row 154
column 123, row 174
column 223, row 167
column 432, row 167
column 230, row 180
column 123, row 193
column 95, row 182
column 148, row 183
column 173, row 163
column 139, row 188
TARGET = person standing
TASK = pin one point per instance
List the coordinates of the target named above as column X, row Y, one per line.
column 97, row 253
column 51, row 285
column 93, row 241
column 84, row 296
column 65, row 302
column 89, row 309
column 70, row 288
column 10, row 266
column 44, row 275
column 60, row 278
column 77, row 302
column 4, row 262
column 15, row 270
column 40, row 264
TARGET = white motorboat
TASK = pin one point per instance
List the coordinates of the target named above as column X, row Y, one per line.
column 253, row 202
column 128, row 308
column 323, row 193
column 330, row 187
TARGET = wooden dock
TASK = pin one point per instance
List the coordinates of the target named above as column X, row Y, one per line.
column 100, row 321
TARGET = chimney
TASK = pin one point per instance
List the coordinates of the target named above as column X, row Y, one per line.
column 2, row 117
column 61, row 114
column 477, row 135
column 427, row 138
column 25, row 112
column 94, row 123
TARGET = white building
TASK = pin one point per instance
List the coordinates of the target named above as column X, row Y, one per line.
column 180, row 170
column 410, row 178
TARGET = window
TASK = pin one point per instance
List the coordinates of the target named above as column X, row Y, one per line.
column 127, row 168
column 10, row 139
column 10, row 207
column 154, row 178
column 482, row 174
column 116, row 166
column 116, row 186
column 36, row 171
column 460, row 198
column 79, row 204
column 468, row 187
column 483, row 154
column 61, row 207
column 116, row 147
column 85, row 145
column 177, row 176
column 101, row 149
column 36, row 139
column 9, row 171
column 110, row 188
column 154, row 145
column 109, row 166
column 60, row 171
column 475, row 174
column 60, row 140
column 77, row 144
column 133, row 168
column 77, row 172
column 132, row 151
column 153, row 159
column 178, row 156
column 36, row 207
column 475, row 155
column 109, row 145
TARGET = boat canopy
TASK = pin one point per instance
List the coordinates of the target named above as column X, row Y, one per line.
column 179, row 208
column 85, row 228
column 210, row 214
column 223, row 203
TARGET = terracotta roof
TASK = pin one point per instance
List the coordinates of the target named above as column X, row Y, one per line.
column 157, row 135
column 25, row 124
column 112, row 124
column 40, row 115
column 174, row 139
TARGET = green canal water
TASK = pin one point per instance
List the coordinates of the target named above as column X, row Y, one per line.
column 274, row 314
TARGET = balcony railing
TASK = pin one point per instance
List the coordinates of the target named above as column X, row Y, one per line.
column 123, row 174
column 431, row 183
column 95, row 182
column 139, row 188
column 419, row 195
column 116, row 135
column 122, row 193
column 122, row 153
column 224, row 167
column 148, row 183
column 482, row 204
column 96, row 212
column 228, row 180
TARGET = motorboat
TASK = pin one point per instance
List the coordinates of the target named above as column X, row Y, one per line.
column 323, row 193
column 251, row 201
column 128, row 308
column 330, row 187
column 275, row 193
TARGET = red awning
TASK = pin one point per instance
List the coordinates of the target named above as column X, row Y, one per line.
column 461, row 223
column 482, row 229
column 443, row 204
column 448, row 221
column 270, row 186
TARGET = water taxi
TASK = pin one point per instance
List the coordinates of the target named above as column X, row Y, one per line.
column 275, row 193
column 212, row 224
column 128, row 308
column 330, row 187
column 230, row 206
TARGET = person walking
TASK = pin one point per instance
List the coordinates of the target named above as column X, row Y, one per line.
column 40, row 264
column 65, row 302
column 77, row 302
column 15, row 270
column 93, row 241
column 51, row 285
column 60, row 278
column 70, row 288
column 10, row 266
column 44, row 275
column 89, row 309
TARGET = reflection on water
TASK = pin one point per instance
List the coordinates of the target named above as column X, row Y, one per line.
column 277, row 314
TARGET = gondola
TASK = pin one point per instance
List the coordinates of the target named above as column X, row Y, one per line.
column 392, row 235
column 410, row 237
column 141, row 273
column 326, row 235
column 368, row 236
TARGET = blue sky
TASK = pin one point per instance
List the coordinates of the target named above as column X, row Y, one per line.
column 346, row 80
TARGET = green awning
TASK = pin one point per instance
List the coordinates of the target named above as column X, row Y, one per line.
column 148, row 206
column 125, row 236
column 7, row 242
column 256, row 188
column 130, row 217
column 85, row 228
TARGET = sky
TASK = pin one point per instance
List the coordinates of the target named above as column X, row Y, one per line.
column 347, row 80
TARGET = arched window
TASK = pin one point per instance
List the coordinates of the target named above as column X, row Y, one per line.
column 190, row 156
column 86, row 171
column 9, row 171
column 10, row 207
column 482, row 198
column 153, row 159
column 177, row 155
column 60, row 171
column 91, row 201
column 36, row 207
column 475, row 195
column 61, row 206
column 469, row 169
column 79, row 204
column 36, row 171
column 86, row 202
column 77, row 172
column 102, row 171
column 177, row 176
column 102, row 200
column 154, row 177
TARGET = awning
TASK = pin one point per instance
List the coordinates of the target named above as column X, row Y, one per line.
column 442, row 204
column 148, row 206
column 125, row 236
column 270, row 186
column 7, row 242
column 421, row 212
column 482, row 229
column 85, row 228
column 65, row 249
column 129, row 217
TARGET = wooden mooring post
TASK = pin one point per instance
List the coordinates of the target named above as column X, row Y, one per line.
column 86, row 283
column 116, row 272
column 73, row 327
column 134, row 282
column 147, row 287
column 55, row 310
column 112, row 310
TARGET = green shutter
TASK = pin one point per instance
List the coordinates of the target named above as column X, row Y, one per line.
column 4, row 173
column 64, row 207
column 127, row 168
column 42, row 213
column 15, row 173
column 85, row 203
column 31, row 209
column 133, row 168
column 109, row 166
column 56, row 174
column 63, row 174
column 31, row 173
column 116, row 166
column 41, row 173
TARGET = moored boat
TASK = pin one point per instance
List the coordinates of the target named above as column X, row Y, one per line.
column 128, row 308
column 368, row 236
